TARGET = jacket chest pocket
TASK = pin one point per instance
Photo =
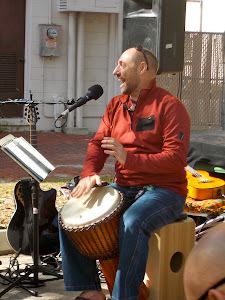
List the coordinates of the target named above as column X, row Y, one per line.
column 145, row 124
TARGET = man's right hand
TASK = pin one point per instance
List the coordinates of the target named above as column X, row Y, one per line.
column 85, row 185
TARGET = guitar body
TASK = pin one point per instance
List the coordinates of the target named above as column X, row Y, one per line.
column 201, row 189
column 20, row 227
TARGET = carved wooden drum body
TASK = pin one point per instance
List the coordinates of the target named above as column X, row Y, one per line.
column 92, row 222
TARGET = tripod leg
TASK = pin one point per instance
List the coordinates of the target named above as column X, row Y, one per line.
column 19, row 286
column 16, row 283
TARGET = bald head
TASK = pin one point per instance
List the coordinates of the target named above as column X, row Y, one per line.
column 205, row 265
column 136, row 69
column 146, row 56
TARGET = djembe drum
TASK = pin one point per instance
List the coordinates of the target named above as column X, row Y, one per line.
column 92, row 224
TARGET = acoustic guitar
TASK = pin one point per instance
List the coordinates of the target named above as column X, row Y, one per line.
column 202, row 186
column 20, row 227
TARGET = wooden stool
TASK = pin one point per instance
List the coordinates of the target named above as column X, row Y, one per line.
column 168, row 250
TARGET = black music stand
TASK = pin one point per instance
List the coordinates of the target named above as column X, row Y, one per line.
column 25, row 155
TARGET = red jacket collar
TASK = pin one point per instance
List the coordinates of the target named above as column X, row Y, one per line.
column 124, row 98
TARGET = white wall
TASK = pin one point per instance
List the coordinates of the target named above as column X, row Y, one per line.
column 47, row 77
column 96, row 65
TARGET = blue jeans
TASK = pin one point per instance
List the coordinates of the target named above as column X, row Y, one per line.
column 151, row 211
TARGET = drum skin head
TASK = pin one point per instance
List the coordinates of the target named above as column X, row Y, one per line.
column 99, row 203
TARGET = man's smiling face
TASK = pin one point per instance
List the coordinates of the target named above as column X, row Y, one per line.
column 128, row 73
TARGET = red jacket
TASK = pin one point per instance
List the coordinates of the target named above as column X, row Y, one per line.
column 156, row 140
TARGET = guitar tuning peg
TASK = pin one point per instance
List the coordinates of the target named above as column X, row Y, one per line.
column 37, row 113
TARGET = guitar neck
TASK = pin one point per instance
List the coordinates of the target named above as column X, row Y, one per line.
column 196, row 174
column 33, row 135
column 193, row 171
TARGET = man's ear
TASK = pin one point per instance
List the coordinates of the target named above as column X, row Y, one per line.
column 214, row 294
column 143, row 67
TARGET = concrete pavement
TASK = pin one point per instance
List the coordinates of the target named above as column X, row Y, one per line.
column 53, row 288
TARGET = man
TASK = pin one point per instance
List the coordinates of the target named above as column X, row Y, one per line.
column 147, row 130
column 204, row 271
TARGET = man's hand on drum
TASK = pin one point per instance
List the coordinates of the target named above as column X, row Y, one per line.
column 112, row 147
column 85, row 185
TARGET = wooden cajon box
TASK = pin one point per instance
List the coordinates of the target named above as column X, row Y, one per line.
column 168, row 250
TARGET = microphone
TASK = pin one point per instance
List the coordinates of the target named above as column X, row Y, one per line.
column 94, row 92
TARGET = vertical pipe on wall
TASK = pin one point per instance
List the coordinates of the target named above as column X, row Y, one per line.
column 111, row 55
column 118, row 43
column 71, row 64
column 28, row 54
column 80, row 67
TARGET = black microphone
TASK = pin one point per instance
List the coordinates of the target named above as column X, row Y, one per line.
column 94, row 92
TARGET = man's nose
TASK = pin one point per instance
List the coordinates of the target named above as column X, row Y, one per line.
column 116, row 70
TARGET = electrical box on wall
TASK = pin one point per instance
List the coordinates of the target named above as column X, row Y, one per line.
column 50, row 40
